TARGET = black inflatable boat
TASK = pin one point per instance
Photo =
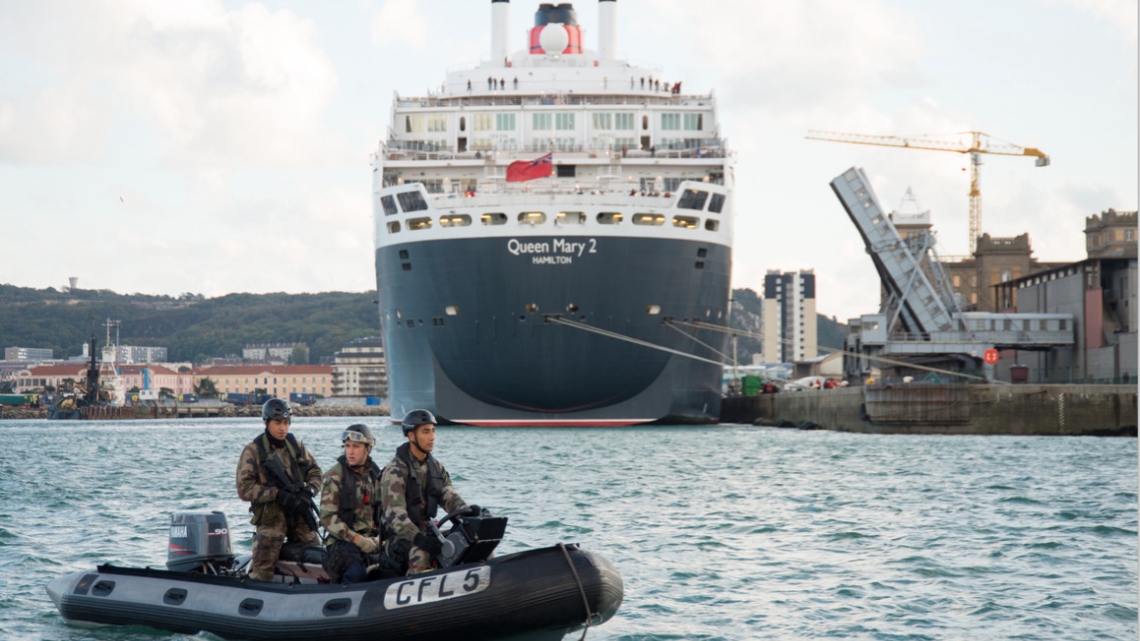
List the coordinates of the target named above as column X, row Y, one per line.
column 540, row 594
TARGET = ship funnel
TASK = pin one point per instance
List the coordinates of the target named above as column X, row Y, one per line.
column 607, row 29
column 500, row 24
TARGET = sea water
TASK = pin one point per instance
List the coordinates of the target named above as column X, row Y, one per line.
column 719, row 532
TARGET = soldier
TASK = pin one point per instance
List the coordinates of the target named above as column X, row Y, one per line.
column 409, row 500
column 350, row 506
column 279, row 478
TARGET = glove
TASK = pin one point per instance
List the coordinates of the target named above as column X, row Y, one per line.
column 303, row 491
column 290, row 503
column 428, row 543
column 474, row 510
column 367, row 545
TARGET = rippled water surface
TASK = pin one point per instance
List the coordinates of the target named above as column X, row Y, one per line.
column 726, row 532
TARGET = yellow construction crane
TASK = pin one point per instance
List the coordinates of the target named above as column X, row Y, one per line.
column 974, row 143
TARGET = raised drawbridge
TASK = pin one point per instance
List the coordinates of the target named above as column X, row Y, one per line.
column 919, row 319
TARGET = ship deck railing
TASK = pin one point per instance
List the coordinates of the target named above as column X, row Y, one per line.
column 498, row 193
column 517, row 98
column 401, row 150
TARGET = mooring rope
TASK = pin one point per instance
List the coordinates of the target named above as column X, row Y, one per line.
column 581, row 589
column 628, row 339
column 881, row 359
column 698, row 341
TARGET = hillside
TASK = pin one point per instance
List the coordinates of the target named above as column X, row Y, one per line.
column 193, row 328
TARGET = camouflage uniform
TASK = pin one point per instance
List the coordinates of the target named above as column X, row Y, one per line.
column 273, row 525
column 366, row 501
column 394, row 502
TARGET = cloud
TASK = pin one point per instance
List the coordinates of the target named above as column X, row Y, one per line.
column 788, row 57
column 1121, row 13
column 206, row 85
column 397, row 23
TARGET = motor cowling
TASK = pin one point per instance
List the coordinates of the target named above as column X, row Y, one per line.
column 199, row 541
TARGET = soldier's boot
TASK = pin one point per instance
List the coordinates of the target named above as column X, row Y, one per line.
column 266, row 550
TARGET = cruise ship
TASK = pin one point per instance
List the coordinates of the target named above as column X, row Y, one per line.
column 554, row 237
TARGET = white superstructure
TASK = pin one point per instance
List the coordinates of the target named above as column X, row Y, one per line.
column 626, row 143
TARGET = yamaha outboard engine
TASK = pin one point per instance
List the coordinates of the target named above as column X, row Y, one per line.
column 199, row 542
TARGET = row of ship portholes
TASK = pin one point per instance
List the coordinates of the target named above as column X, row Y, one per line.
column 532, row 308
column 568, row 218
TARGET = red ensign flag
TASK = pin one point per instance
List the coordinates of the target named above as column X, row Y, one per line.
column 523, row 170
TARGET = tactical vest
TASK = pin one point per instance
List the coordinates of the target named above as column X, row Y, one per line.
column 347, row 511
column 419, row 510
column 298, row 469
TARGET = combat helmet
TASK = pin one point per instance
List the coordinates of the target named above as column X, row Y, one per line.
column 415, row 418
column 276, row 408
column 358, row 433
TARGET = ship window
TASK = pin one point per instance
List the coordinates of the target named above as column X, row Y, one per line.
column 493, row 219
column 623, row 122
column 389, row 205
column 653, row 310
column 686, row 222
column 542, row 122
column 693, row 199
column 531, row 307
column 645, row 122
column 649, row 219
column 671, row 122
column 570, row 218
column 609, row 218
column 451, row 310
column 419, row 223
column 532, row 218
column 716, row 203
column 399, row 314
column 572, row 307
column 404, row 254
column 505, row 122
column 394, row 227
column 693, row 122
column 603, row 121
column 567, row 171
column 482, row 122
column 412, row 201
column 712, row 225
column 564, row 122
column 454, row 220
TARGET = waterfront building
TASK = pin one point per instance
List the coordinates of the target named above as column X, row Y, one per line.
column 275, row 380
column 40, row 378
column 359, row 369
column 996, row 260
column 789, row 316
column 270, row 351
column 27, row 354
column 156, row 377
column 134, row 354
column 1100, row 293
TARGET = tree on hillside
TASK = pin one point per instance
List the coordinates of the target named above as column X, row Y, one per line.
column 300, row 355
column 206, row 388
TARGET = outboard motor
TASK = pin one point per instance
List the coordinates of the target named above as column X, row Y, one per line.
column 199, row 542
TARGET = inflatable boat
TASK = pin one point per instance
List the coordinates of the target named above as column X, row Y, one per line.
column 539, row 595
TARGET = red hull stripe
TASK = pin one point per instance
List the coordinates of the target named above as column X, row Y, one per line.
column 601, row 422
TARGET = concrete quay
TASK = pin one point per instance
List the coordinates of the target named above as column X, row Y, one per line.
column 1027, row 410
column 204, row 411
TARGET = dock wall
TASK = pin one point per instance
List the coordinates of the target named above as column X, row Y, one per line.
column 1042, row 410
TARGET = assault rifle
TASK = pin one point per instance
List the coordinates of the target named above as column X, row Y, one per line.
column 279, row 479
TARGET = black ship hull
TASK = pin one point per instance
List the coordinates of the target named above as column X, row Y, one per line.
column 472, row 329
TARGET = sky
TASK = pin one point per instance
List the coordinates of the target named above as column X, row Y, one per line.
column 217, row 146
